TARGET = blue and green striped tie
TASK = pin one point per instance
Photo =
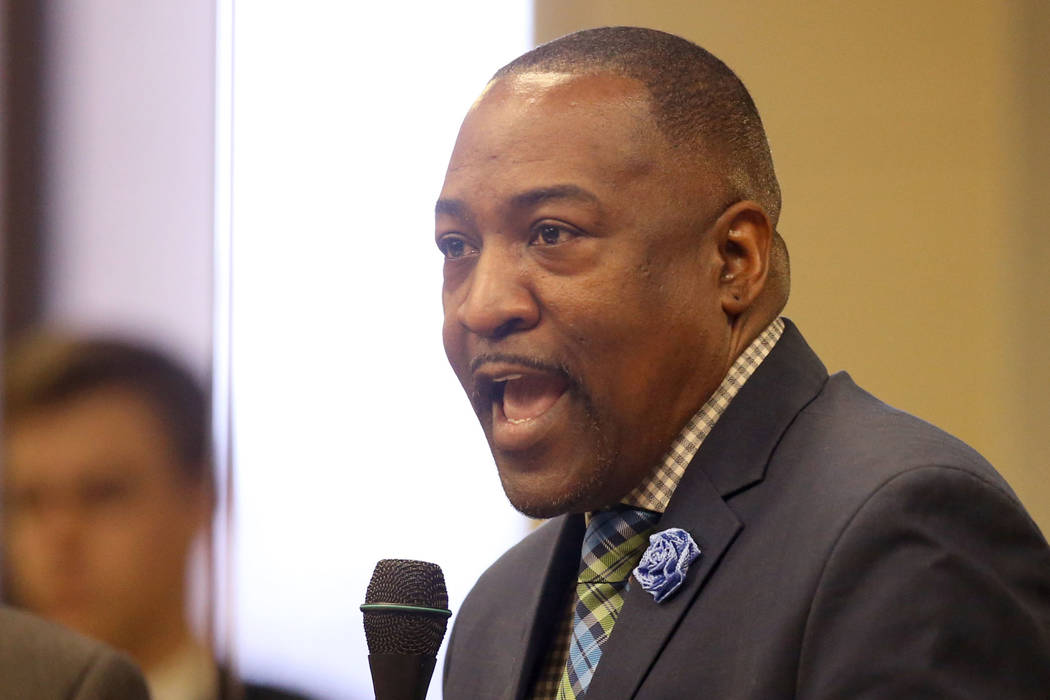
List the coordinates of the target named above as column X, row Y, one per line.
column 612, row 546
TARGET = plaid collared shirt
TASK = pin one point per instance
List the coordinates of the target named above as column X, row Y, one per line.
column 655, row 492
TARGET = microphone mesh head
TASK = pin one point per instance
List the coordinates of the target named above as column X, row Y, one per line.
column 406, row 582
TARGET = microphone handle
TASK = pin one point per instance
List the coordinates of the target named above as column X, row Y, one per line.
column 401, row 676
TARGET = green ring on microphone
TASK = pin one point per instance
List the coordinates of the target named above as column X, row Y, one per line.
column 395, row 607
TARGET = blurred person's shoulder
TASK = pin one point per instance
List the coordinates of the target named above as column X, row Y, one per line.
column 39, row 659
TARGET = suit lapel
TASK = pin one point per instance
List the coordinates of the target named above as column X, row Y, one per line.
column 735, row 455
column 732, row 458
column 546, row 606
column 643, row 626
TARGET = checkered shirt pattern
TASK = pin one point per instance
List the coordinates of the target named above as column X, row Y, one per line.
column 655, row 492
column 613, row 544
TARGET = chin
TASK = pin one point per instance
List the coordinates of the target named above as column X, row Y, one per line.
column 541, row 510
column 536, row 497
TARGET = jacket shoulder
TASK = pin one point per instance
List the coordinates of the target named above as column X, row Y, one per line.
column 39, row 659
column 949, row 578
column 845, row 425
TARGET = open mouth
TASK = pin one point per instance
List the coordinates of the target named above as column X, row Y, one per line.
column 520, row 397
column 521, row 401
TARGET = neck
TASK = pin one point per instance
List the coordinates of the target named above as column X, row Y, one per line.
column 744, row 329
column 162, row 641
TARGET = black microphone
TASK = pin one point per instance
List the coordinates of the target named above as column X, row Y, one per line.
column 406, row 613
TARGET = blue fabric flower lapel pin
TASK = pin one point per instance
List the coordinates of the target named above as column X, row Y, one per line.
column 664, row 565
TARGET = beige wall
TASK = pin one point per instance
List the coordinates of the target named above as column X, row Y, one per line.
column 912, row 146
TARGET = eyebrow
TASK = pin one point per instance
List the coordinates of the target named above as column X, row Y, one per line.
column 539, row 195
column 453, row 207
column 524, row 200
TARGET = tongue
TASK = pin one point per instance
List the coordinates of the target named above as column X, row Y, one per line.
column 530, row 396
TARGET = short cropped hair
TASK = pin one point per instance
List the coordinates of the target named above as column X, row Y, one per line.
column 45, row 371
column 697, row 100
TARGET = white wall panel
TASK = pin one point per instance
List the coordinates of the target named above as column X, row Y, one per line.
column 129, row 104
column 353, row 441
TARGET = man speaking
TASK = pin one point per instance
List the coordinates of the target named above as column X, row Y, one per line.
column 732, row 522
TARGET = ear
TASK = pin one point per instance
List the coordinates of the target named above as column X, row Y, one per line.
column 745, row 237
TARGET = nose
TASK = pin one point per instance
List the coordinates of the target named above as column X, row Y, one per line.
column 498, row 300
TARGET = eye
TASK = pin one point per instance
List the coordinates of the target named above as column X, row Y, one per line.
column 103, row 491
column 551, row 234
column 453, row 247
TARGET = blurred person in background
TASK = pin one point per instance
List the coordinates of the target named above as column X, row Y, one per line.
column 107, row 484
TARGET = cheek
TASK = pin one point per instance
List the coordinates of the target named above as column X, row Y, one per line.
column 454, row 288
column 25, row 555
column 110, row 545
column 16, row 539
column 454, row 340
column 144, row 525
column 450, row 337
column 31, row 540
column 611, row 318
column 145, row 552
column 635, row 349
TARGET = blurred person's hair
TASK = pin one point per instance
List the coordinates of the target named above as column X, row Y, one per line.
column 46, row 370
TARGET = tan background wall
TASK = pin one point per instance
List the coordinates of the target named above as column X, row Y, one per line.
column 912, row 142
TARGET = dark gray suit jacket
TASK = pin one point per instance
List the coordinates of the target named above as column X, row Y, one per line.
column 42, row 661
column 849, row 550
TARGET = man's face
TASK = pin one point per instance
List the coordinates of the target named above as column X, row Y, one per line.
column 97, row 519
column 581, row 303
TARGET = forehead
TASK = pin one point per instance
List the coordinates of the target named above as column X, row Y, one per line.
column 600, row 121
column 100, row 430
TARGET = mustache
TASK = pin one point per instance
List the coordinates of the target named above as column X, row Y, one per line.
column 480, row 395
column 524, row 360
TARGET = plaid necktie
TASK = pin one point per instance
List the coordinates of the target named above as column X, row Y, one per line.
column 612, row 546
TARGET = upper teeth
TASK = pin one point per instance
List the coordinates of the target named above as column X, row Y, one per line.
column 508, row 377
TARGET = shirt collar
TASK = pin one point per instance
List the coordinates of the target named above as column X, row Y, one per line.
column 656, row 490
